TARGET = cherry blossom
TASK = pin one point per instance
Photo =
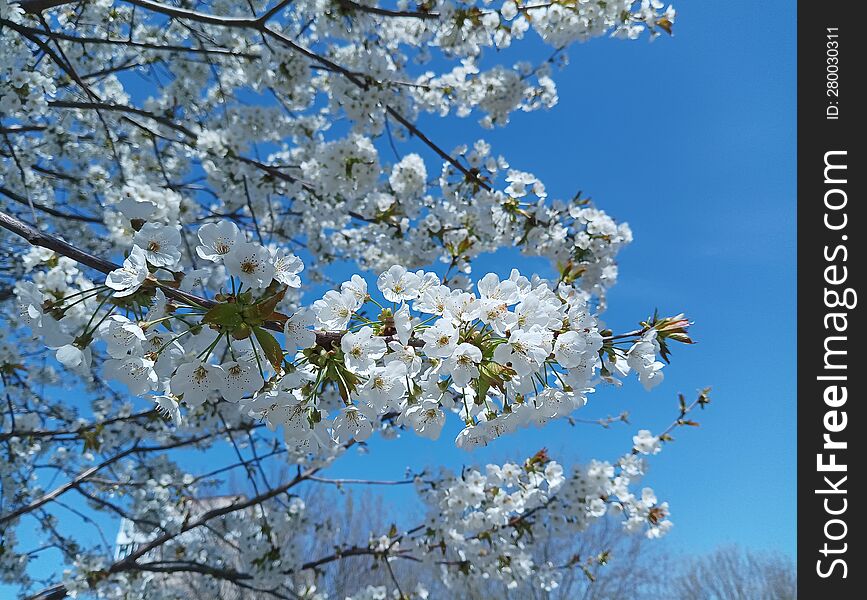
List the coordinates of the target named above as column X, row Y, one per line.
column 362, row 349
column 217, row 239
column 128, row 279
column 462, row 365
column 160, row 244
column 251, row 263
column 397, row 284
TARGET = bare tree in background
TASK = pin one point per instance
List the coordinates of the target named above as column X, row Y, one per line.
column 633, row 569
column 735, row 573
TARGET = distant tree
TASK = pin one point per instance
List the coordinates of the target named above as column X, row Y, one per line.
column 734, row 573
column 629, row 568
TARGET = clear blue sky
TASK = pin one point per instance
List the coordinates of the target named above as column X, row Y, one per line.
column 692, row 141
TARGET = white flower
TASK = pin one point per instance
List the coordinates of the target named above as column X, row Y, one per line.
column 196, row 381
column 440, row 340
column 648, row 497
column 403, row 324
column 463, row 364
column 128, row 279
column 554, row 475
column 406, row 355
column 646, row 443
column 362, row 349
column 642, row 358
column 168, row 406
column 54, row 332
column 297, row 330
column 491, row 288
column 251, row 263
column 462, row 306
column 569, row 349
column 509, row 10
column 474, row 436
column 384, row 386
column 353, row 422
column 429, row 280
column 217, row 240
column 30, row 301
column 122, row 337
column 632, row 465
column 286, row 268
column 213, row 141
column 494, row 310
column 168, row 351
column 135, row 372
column 555, row 403
column 196, row 278
column 158, row 307
column 526, row 351
column 160, row 243
column 134, row 205
column 347, row 167
column 520, row 183
column 434, row 300
column 616, row 367
column 661, row 527
column 239, row 379
column 542, row 308
column 335, row 309
column 597, row 507
column 73, row 357
column 426, row 419
column 408, row 177
column 397, row 284
column 357, row 287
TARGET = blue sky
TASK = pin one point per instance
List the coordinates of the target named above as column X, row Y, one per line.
column 692, row 141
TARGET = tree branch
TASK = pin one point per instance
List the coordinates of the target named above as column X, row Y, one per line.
column 47, row 209
column 35, row 7
column 45, row 240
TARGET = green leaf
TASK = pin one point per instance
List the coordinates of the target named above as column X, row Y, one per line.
column 227, row 315
column 265, row 308
column 92, row 438
column 665, row 24
column 484, row 386
column 495, row 374
column 272, row 349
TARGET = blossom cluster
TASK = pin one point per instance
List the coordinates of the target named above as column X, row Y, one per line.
column 416, row 229
column 337, row 192
column 485, row 520
column 515, row 352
